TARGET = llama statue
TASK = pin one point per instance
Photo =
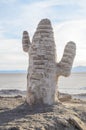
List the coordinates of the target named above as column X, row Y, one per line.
column 44, row 70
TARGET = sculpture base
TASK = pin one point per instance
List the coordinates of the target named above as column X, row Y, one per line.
column 15, row 113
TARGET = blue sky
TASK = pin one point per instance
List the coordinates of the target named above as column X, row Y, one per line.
column 68, row 19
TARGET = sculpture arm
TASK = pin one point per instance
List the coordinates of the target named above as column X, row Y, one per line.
column 65, row 65
column 25, row 41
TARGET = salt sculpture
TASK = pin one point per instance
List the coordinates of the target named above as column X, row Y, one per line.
column 43, row 72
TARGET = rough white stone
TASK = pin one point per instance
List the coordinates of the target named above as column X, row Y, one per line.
column 43, row 70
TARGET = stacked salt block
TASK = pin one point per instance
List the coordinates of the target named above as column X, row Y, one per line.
column 43, row 70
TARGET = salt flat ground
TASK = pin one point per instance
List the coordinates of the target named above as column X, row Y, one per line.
column 15, row 114
column 74, row 84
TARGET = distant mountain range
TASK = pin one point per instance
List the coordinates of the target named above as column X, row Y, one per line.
column 13, row 71
column 77, row 69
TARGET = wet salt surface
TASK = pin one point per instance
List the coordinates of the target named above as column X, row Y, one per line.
column 74, row 84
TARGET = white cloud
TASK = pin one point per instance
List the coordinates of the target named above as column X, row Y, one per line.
column 50, row 3
column 70, row 28
column 12, row 55
column 72, row 31
column 31, row 13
